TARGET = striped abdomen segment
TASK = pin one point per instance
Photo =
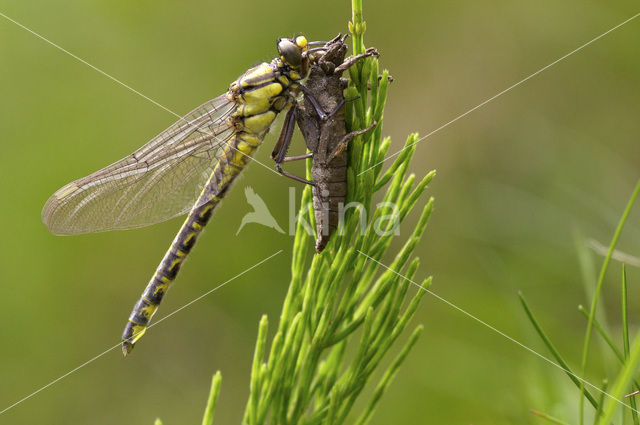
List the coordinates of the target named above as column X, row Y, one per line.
column 231, row 162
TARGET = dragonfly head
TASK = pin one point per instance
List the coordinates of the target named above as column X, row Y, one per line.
column 291, row 53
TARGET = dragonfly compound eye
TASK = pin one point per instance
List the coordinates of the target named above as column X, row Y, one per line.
column 290, row 52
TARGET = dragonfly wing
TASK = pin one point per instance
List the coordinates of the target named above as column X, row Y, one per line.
column 161, row 180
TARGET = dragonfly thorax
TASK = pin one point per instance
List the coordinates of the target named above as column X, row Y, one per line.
column 265, row 90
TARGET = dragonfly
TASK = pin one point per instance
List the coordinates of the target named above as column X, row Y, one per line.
column 187, row 168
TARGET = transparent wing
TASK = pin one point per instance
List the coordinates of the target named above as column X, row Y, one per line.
column 161, row 180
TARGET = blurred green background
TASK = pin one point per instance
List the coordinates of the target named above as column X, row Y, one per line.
column 521, row 184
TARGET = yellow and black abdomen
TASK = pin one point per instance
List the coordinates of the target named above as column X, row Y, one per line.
column 259, row 94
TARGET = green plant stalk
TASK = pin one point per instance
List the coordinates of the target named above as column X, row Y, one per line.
column 357, row 27
column 306, row 378
column 589, row 275
column 596, row 295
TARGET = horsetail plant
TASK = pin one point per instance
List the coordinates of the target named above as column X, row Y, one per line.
column 341, row 315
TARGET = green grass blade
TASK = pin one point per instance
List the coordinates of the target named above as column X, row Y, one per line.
column 549, row 418
column 621, row 384
column 596, row 295
column 609, row 342
column 607, row 339
column 556, row 354
column 625, row 316
column 625, row 341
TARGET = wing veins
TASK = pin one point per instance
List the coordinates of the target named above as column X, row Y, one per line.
column 131, row 192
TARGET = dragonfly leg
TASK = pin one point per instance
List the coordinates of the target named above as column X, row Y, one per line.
column 321, row 113
column 349, row 62
column 340, row 104
column 342, row 145
column 282, row 146
column 297, row 157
